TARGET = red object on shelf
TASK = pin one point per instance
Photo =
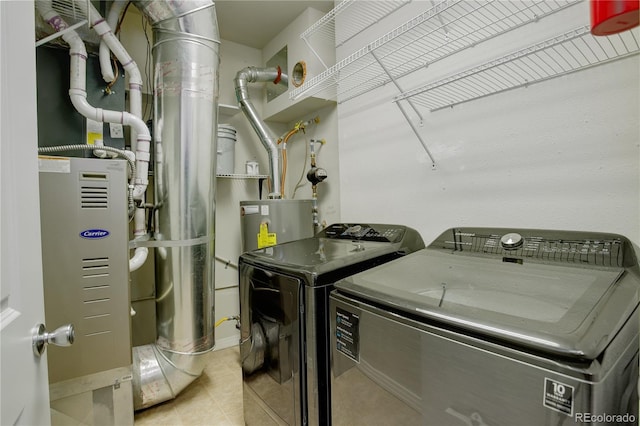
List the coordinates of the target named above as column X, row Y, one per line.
column 614, row 16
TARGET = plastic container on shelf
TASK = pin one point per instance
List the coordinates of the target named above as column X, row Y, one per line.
column 226, row 149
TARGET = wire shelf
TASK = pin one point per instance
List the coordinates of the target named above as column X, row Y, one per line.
column 359, row 14
column 446, row 28
column 567, row 53
column 352, row 17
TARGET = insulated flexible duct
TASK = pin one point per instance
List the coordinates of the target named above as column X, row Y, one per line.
column 186, row 62
column 255, row 75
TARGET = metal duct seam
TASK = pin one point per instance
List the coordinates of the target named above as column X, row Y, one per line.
column 186, row 63
column 254, row 75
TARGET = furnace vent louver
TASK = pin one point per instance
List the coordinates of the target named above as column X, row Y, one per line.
column 94, row 198
column 94, row 195
column 95, row 268
column 96, row 297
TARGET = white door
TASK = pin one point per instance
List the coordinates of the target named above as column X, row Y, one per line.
column 24, row 386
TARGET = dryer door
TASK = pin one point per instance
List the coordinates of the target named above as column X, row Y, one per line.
column 270, row 346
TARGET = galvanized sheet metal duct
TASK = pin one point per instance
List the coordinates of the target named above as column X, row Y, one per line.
column 269, row 141
column 186, row 62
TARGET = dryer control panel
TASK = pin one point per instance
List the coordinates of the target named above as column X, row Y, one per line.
column 364, row 232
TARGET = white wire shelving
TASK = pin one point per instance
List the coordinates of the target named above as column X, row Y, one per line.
column 567, row 53
column 444, row 29
column 359, row 14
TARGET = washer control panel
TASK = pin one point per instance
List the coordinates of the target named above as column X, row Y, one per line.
column 364, row 232
column 589, row 248
column 511, row 241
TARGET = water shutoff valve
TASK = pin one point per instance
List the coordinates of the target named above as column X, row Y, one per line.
column 316, row 175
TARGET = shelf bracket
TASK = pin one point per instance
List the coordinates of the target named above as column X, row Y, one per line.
column 404, row 113
column 413, row 127
column 395, row 83
column 315, row 53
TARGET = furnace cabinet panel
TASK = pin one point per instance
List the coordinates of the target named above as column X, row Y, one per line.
column 58, row 121
column 85, row 265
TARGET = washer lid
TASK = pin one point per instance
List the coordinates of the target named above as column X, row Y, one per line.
column 561, row 309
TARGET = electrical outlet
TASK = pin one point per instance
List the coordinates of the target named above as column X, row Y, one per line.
column 116, row 131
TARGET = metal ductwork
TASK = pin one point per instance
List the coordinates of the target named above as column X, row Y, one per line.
column 186, row 63
column 255, row 75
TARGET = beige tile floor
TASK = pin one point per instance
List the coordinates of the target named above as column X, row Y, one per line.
column 214, row 399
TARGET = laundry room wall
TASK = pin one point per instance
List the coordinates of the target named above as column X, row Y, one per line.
column 319, row 113
column 559, row 154
column 230, row 191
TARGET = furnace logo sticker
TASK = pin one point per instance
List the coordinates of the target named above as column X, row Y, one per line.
column 94, row 234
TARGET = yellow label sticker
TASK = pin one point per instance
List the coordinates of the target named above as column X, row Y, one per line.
column 91, row 138
column 266, row 239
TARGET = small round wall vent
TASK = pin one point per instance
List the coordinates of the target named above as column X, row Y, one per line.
column 299, row 73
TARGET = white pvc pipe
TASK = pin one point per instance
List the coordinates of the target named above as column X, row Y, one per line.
column 140, row 253
column 139, row 131
column 104, row 52
column 100, row 153
column 105, row 63
column 79, row 100
column 103, row 29
column 78, row 95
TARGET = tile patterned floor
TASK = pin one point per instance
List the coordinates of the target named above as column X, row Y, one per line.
column 215, row 398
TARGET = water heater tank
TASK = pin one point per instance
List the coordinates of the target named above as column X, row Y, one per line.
column 266, row 223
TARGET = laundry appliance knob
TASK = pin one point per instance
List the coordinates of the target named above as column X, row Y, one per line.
column 511, row 241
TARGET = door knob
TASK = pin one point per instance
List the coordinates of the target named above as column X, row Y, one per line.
column 61, row 336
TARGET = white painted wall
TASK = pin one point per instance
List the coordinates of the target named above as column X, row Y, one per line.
column 305, row 109
column 562, row 154
column 229, row 192
column 298, row 150
column 283, row 108
column 134, row 32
